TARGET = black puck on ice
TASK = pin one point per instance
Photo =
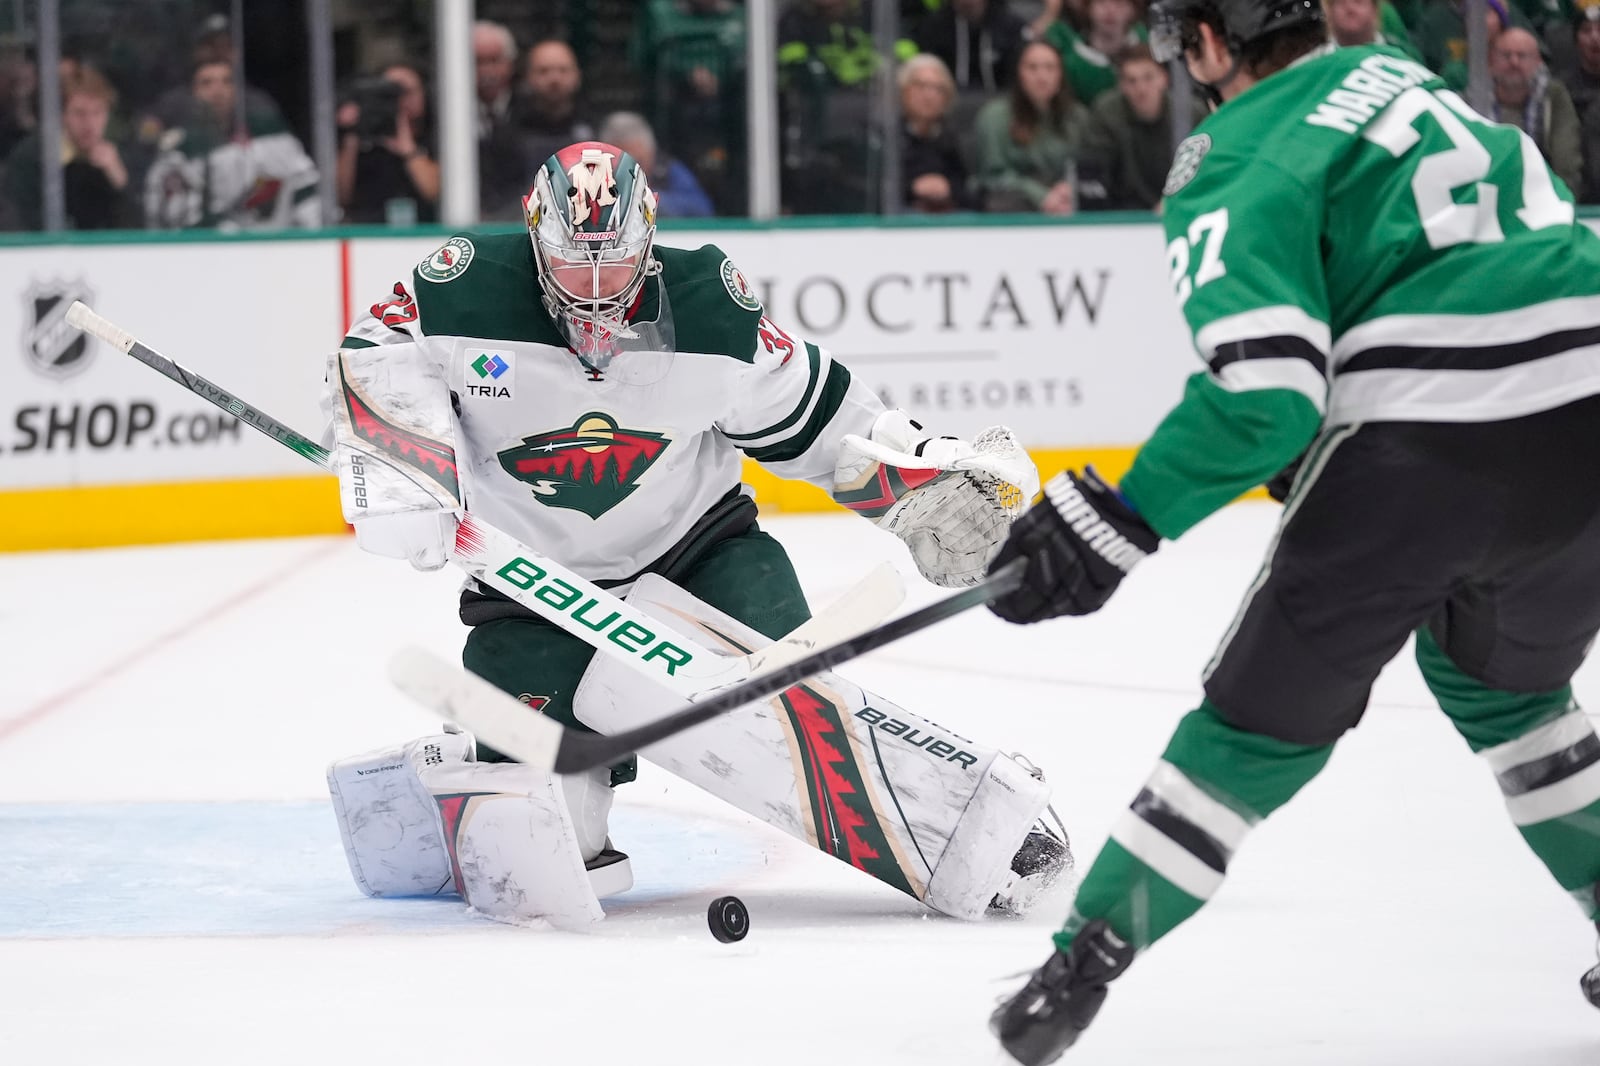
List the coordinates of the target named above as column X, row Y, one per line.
column 728, row 919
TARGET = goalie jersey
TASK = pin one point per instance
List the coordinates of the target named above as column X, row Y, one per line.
column 1350, row 242
column 462, row 376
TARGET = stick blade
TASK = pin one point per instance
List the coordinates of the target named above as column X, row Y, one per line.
column 489, row 714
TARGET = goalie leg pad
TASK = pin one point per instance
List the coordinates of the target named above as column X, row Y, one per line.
column 895, row 795
column 387, row 819
column 517, row 853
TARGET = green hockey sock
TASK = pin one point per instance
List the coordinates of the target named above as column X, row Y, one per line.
column 1169, row 852
column 1546, row 757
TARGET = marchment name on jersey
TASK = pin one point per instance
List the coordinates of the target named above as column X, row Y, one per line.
column 1367, row 90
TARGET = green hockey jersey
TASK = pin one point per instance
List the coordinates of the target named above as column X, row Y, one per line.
column 462, row 375
column 1350, row 242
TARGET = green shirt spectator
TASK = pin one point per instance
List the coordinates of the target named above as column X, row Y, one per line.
column 1028, row 141
column 1111, row 26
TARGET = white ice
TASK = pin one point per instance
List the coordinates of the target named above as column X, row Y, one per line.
column 172, row 888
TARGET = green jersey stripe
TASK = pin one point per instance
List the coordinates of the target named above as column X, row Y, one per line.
column 814, row 360
column 357, row 342
column 832, row 398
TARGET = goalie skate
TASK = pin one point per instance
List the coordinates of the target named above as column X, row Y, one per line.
column 1040, row 865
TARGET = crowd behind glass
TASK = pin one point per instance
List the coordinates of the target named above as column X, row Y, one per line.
column 1051, row 106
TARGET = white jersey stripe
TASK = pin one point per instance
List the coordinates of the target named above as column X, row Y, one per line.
column 1221, row 822
column 1282, row 320
column 1470, row 331
column 1248, row 375
column 1557, row 800
column 1465, row 395
column 1166, row 856
column 1556, row 735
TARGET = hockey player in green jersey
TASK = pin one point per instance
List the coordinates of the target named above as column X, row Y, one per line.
column 591, row 395
column 1383, row 282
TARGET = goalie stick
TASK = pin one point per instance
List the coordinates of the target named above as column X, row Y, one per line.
column 543, row 585
column 507, row 725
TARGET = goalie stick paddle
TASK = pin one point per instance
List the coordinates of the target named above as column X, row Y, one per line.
column 507, row 725
column 522, row 575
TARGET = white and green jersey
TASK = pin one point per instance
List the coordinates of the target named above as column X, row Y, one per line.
column 1350, row 242
column 602, row 473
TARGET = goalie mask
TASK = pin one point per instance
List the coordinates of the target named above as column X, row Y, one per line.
column 592, row 219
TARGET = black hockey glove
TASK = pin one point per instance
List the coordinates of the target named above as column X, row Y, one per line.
column 1080, row 540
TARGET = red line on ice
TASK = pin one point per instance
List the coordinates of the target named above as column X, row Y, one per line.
column 65, row 698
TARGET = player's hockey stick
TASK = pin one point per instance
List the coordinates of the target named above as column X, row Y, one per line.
column 543, row 585
column 509, row 726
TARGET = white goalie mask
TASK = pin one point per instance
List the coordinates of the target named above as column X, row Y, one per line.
column 592, row 219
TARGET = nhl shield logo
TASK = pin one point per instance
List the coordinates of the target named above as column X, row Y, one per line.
column 53, row 348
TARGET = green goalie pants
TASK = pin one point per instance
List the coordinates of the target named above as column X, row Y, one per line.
column 1474, row 536
column 747, row 575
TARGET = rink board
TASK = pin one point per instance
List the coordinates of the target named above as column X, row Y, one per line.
column 1067, row 332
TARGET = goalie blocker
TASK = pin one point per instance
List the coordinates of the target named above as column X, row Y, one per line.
column 952, row 823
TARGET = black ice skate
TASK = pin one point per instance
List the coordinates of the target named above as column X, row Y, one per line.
column 1062, row 997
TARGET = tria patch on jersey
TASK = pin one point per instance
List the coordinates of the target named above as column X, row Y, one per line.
column 488, row 375
column 449, row 262
column 739, row 287
column 1186, row 162
column 591, row 467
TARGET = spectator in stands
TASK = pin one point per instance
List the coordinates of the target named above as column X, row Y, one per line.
column 1441, row 37
column 933, row 173
column 96, row 189
column 1353, row 22
column 19, row 86
column 829, row 43
column 690, row 57
column 826, row 62
column 1112, row 25
column 386, row 170
column 216, row 172
column 978, row 40
column 1027, row 142
column 506, row 160
column 213, row 42
column 678, row 194
column 546, row 106
column 1075, row 13
column 1526, row 97
column 1127, row 146
column 1583, row 84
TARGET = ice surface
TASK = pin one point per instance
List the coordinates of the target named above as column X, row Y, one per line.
column 172, row 888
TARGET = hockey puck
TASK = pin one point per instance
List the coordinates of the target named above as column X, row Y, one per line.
column 728, row 919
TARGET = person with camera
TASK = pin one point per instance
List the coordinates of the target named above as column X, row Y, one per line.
column 385, row 172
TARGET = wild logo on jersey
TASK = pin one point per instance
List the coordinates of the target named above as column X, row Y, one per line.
column 591, row 467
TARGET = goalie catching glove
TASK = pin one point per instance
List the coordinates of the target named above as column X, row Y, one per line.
column 1080, row 541
column 951, row 501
